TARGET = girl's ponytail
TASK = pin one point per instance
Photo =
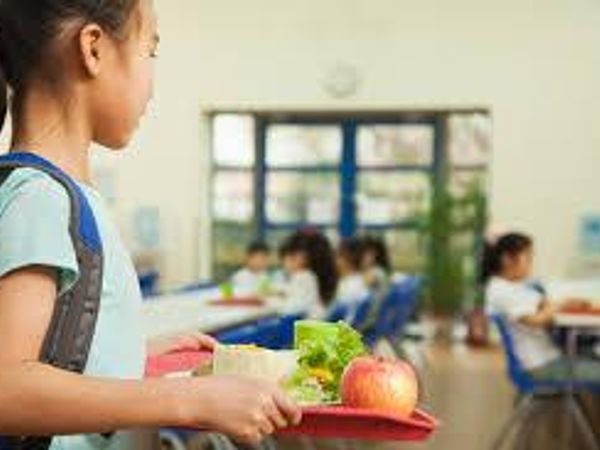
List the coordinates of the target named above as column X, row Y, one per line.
column 320, row 259
column 490, row 263
column 3, row 98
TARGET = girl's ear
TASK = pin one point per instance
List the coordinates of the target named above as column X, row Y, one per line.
column 92, row 47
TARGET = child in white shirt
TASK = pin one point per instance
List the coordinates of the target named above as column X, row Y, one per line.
column 253, row 278
column 375, row 263
column 352, row 288
column 309, row 273
column 510, row 293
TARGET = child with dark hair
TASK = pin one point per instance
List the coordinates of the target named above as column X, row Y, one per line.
column 310, row 275
column 375, row 263
column 507, row 269
column 352, row 287
column 254, row 276
column 80, row 72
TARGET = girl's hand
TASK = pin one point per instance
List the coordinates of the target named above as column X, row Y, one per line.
column 190, row 341
column 245, row 409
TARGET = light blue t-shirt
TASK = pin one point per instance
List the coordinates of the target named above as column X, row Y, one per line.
column 34, row 230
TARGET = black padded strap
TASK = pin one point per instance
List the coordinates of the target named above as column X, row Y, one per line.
column 69, row 338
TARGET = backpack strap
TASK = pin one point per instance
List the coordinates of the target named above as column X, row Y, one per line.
column 69, row 338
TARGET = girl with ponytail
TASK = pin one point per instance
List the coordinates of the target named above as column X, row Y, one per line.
column 80, row 72
column 510, row 293
column 311, row 279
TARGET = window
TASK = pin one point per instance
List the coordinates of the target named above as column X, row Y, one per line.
column 391, row 174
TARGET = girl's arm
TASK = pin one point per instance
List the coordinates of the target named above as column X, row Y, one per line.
column 542, row 318
column 37, row 399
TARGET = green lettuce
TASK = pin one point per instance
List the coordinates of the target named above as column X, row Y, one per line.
column 326, row 348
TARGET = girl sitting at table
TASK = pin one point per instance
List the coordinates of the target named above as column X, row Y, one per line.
column 510, row 292
column 309, row 279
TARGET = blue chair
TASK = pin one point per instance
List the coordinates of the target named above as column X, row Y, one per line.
column 148, row 283
column 534, row 392
column 285, row 335
column 395, row 311
column 362, row 313
column 267, row 332
column 337, row 312
column 198, row 286
column 245, row 334
column 263, row 332
column 406, row 302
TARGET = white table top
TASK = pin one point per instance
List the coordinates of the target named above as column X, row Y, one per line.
column 588, row 289
column 181, row 313
column 570, row 320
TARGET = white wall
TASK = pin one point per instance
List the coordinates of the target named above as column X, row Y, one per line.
column 535, row 64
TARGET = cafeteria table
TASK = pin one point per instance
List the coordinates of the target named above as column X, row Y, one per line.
column 575, row 325
column 174, row 314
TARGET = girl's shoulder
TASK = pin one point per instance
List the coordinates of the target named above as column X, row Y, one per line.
column 32, row 185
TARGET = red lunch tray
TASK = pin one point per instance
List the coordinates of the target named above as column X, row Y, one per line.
column 158, row 366
column 336, row 422
column 239, row 301
column 339, row 422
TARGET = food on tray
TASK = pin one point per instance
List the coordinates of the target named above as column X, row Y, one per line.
column 380, row 384
column 324, row 350
column 254, row 361
column 329, row 365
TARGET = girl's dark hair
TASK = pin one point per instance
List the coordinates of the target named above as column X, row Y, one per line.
column 511, row 244
column 352, row 251
column 320, row 258
column 29, row 30
column 377, row 246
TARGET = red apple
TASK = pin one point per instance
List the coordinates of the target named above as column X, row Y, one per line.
column 380, row 384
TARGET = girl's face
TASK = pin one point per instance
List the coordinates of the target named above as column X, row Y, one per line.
column 343, row 265
column 124, row 85
column 369, row 259
column 519, row 266
column 294, row 262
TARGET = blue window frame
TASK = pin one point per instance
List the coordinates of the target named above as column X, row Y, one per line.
column 320, row 170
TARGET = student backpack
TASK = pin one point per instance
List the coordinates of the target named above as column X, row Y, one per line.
column 69, row 338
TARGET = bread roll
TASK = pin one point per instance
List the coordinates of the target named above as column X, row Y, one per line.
column 253, row 361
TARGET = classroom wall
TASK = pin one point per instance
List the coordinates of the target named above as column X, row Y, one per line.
column 535, row 64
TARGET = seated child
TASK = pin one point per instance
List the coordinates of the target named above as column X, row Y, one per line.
column 510, row 292
column 253, row 278
column 352, row 288
column 375, row 263
column 309, row 273
column 377, row 271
